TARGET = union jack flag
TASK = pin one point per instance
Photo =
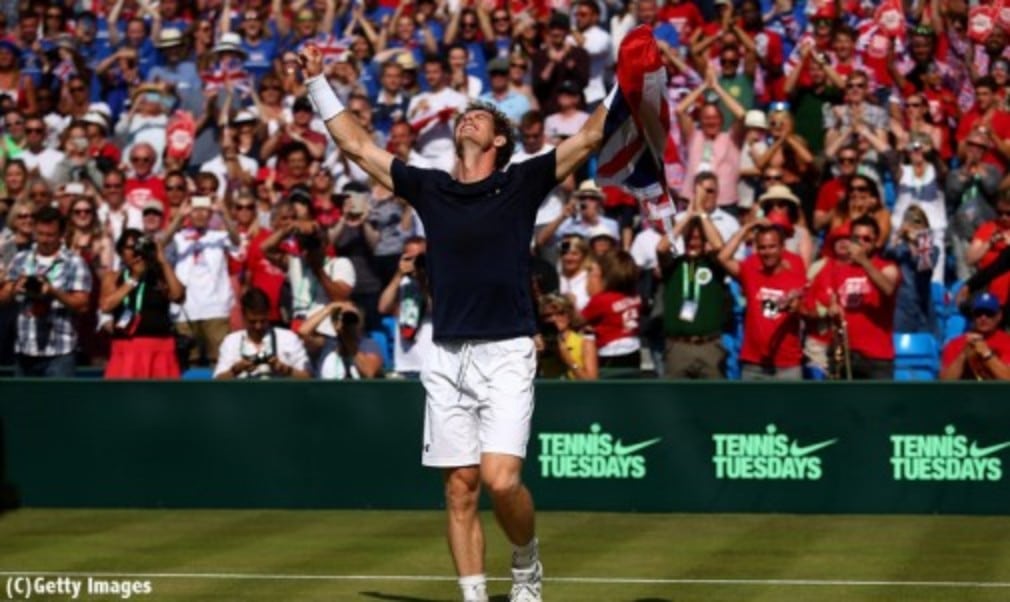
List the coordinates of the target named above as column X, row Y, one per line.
column 637, row 142
column 229, row 71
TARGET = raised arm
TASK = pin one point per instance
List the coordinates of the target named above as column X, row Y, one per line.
column 573, row 151
column 355, row 143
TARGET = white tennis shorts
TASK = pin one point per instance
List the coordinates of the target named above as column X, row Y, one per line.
column 479, row 399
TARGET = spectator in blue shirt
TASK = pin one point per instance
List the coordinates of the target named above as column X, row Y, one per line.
column 508, row 101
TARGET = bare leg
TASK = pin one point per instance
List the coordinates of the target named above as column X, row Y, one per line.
column 466, row 539
column 513, row 505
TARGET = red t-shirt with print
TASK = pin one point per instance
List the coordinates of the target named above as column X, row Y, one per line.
column 770, row 332
column 613, row 316
column 869, row 314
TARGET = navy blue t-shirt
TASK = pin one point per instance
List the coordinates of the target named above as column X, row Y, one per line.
column 479, row 245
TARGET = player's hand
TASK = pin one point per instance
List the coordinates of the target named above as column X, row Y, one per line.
column 311, row 59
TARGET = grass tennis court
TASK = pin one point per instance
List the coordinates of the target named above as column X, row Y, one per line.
column 401, row 556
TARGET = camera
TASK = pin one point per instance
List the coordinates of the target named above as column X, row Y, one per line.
column 145, row 247
column 33, row 288
column 310, row 243
column 263, row 357
column 350, row 319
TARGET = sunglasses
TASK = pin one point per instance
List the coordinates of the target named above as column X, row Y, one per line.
column 244, row 207
column 709, row 190
column 846, row 160
column 862, row 239
column 501, row 19
column 470, row 24
column 35, row 130
column 518, row 65
column 82, row 212
column 988, row 313
column 113, row 185
column 266, row 88
column 23, row 216
column 772, row 177
column 914, row 105
column 857, row 86
column 152, row 212
column 143, row 159
column 12, row 124
column 175, row 188
column 76, row 89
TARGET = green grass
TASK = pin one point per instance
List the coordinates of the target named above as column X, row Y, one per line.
column 574, row 545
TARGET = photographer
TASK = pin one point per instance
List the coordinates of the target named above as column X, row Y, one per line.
column 138, row 297
column 408, row 297
column 916, row 255
column 199, row 256
column 49, row 283
column 260, row 351
column 315, row 279
column 346, row 354
column 564, row 350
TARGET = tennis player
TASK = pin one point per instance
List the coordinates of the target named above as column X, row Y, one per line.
column 479, row 378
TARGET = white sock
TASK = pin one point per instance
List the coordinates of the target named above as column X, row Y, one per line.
column 474, row 588
column 525, row 556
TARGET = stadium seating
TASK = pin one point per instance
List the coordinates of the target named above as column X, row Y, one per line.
column 916, row 356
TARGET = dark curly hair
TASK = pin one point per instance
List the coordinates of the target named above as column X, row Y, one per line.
column 502, row 127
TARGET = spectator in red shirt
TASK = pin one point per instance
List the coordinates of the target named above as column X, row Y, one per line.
column 858, row 286
column 267, row 269
column 987, row 118
column 773, row 280
column 833, row 191
column 991, row 238
column 613, row 310
column 982, row 353
column 143, row 185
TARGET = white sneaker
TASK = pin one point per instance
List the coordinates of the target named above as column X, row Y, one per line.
column 527, row 584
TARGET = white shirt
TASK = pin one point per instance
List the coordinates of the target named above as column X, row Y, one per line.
column 643, row 249
column 307, row 294
column 201, row 264
column 219, row 168
column 558, row 126
column 598, row 45
column 725, row 223
column 585, row 229
column 410, row 357
column 237, row 345
column 45, row 161
column 125, row 217
column 435, row 140
column 554, row 203
column 575, row 286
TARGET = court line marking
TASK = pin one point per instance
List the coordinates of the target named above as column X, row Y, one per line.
column 597, row 580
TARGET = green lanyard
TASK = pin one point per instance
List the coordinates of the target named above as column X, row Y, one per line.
column 138, row 297
column 686, row 280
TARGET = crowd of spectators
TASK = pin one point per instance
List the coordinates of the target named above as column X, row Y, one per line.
column 170, row 199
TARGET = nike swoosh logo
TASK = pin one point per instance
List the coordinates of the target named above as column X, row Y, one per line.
column 621, row 450
column 796, row 450
column 978, row 452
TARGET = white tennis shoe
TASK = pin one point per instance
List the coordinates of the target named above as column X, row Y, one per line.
column 527, row 584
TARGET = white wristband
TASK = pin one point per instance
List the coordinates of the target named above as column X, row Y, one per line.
column 323, row 97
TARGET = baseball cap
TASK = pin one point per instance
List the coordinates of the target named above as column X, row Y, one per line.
column 601, row 231
column 559, row 21
column 985, row 302
column 498, row 65
column 200, row 202
column 755, row 119
column 75, row 188
column 568, row 86
column 153, row 205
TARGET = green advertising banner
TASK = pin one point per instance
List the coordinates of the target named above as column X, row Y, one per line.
column 646, row 446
